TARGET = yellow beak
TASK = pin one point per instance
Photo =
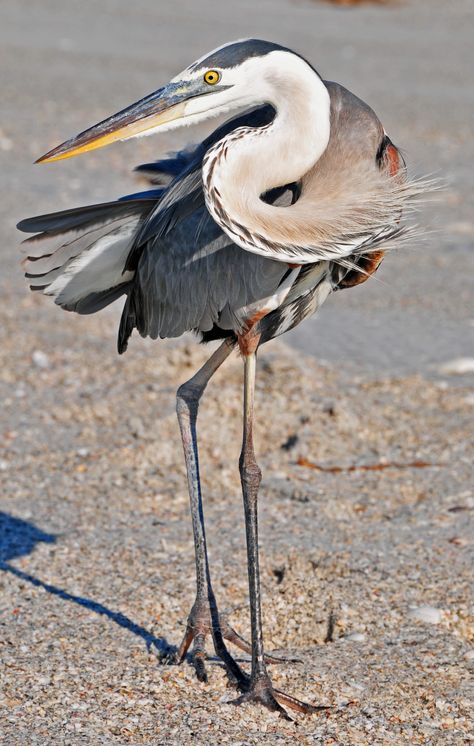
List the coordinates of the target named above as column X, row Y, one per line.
column 161, row 107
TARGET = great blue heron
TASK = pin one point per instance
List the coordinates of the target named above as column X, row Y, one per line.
column 292, row 199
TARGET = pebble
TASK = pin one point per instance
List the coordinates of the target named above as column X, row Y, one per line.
column 355, row 637
column 358, row 685
column 137, row 428
column 40, row 359
column 428, row 614
column 458, row 367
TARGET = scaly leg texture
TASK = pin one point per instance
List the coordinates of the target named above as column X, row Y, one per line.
column 204, row 617
column 260, row 688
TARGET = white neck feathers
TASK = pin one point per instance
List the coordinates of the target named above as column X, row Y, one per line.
column 249, row 162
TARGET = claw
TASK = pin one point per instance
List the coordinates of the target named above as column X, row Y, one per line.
column 297, row 704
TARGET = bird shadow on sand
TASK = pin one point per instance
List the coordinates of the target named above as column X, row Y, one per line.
column 18, row 538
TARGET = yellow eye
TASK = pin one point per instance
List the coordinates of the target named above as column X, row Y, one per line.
column 211, row 77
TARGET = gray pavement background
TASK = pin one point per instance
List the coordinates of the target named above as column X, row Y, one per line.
column 95, row 541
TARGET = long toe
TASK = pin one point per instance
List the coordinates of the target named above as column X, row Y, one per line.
column 262, row 692
column 297, row 704
column 199, row 657
column 229, row 634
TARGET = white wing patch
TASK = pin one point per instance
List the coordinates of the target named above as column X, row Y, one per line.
column 91, row 262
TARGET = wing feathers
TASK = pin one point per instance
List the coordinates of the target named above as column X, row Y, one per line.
column 80, row 256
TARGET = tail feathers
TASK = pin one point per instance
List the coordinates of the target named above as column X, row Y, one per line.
column 137, row 313
column 79, row 257
column 78, row 216
column 127, row 324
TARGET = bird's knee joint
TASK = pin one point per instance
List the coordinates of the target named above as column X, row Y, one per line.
column 250, row 472
column 187, row 398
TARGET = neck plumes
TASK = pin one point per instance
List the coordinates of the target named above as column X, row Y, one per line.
column 241, row 167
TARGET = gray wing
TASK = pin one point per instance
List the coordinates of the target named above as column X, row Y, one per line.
column 78, row 256
column 194, row 278
column 161, row 248
column 191, row 278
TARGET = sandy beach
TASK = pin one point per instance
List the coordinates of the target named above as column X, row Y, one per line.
column 366, row 501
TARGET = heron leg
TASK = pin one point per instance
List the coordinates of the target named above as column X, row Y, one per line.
column 260, row 688
column 204, row 617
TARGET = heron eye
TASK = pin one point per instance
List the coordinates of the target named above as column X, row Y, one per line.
column 211, row 77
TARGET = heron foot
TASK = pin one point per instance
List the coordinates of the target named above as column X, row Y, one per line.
column 261, row 691
column 199, row 626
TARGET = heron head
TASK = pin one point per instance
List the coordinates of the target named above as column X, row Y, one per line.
column 231, row 77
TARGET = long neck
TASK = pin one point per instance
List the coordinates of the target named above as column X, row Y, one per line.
column 249, row 162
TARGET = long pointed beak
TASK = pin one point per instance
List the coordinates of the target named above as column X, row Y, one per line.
column 159, row 108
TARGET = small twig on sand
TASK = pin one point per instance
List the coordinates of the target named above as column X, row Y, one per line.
column 362, row 2
column 302, row 461
column 331, row 625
